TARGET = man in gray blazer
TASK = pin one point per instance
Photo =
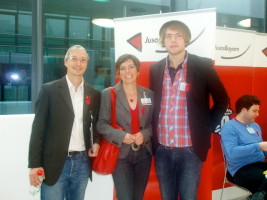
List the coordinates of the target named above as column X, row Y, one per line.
column 60, row 138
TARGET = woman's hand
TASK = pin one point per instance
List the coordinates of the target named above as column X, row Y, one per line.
column 138, row 138
column 128, row 139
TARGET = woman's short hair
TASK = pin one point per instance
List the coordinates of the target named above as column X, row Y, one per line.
column 76, row 47
column 246, row 101
column 124, row 58
column 175, row 25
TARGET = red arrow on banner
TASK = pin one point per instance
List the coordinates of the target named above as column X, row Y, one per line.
column 136, row 41
column 264, row 51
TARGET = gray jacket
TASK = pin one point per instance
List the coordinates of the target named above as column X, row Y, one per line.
column 123, row 118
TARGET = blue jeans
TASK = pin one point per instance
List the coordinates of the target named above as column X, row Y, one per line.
column 178, row 171
column 72, row 181
column 131, row 175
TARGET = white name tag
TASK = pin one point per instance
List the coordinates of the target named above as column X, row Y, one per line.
column 182, row 86
column 251, row 130
column 146, row 101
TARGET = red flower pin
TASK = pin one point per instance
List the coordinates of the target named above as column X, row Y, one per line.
column 187, row 87
column 143, row 110
column 88, row 100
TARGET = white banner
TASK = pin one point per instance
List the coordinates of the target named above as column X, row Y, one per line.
column 139, row 35
column 235, row 47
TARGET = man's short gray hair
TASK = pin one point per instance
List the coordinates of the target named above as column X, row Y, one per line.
column 76, row 47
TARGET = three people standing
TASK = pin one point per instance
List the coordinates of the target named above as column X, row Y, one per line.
column 181, row 122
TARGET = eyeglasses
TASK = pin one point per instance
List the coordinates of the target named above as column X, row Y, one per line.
column 75, row 59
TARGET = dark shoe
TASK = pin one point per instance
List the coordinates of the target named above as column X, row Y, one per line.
column 257, row 196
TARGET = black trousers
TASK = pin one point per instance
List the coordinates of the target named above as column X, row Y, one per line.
column 251, row 177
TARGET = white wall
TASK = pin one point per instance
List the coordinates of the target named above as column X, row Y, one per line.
column 14, row 181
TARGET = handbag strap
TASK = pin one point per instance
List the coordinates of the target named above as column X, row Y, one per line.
column 113, row 105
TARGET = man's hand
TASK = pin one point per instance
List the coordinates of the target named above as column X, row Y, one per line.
column 263, row 146
column 34, row 178
column 96, row 148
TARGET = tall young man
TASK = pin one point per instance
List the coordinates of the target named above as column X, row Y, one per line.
column 183, row 118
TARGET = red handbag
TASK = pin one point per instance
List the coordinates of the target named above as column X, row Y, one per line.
column 106, row 160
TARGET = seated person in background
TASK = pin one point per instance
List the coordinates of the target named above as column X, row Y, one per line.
column 244, row 148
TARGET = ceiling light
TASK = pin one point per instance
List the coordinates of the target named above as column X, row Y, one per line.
column 245, row 23
column 107, row 23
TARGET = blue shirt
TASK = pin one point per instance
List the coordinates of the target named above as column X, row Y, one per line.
column 240, row 143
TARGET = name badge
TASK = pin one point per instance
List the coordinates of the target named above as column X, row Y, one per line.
column 146, row 101
column 251, row 130
column 184, row 86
